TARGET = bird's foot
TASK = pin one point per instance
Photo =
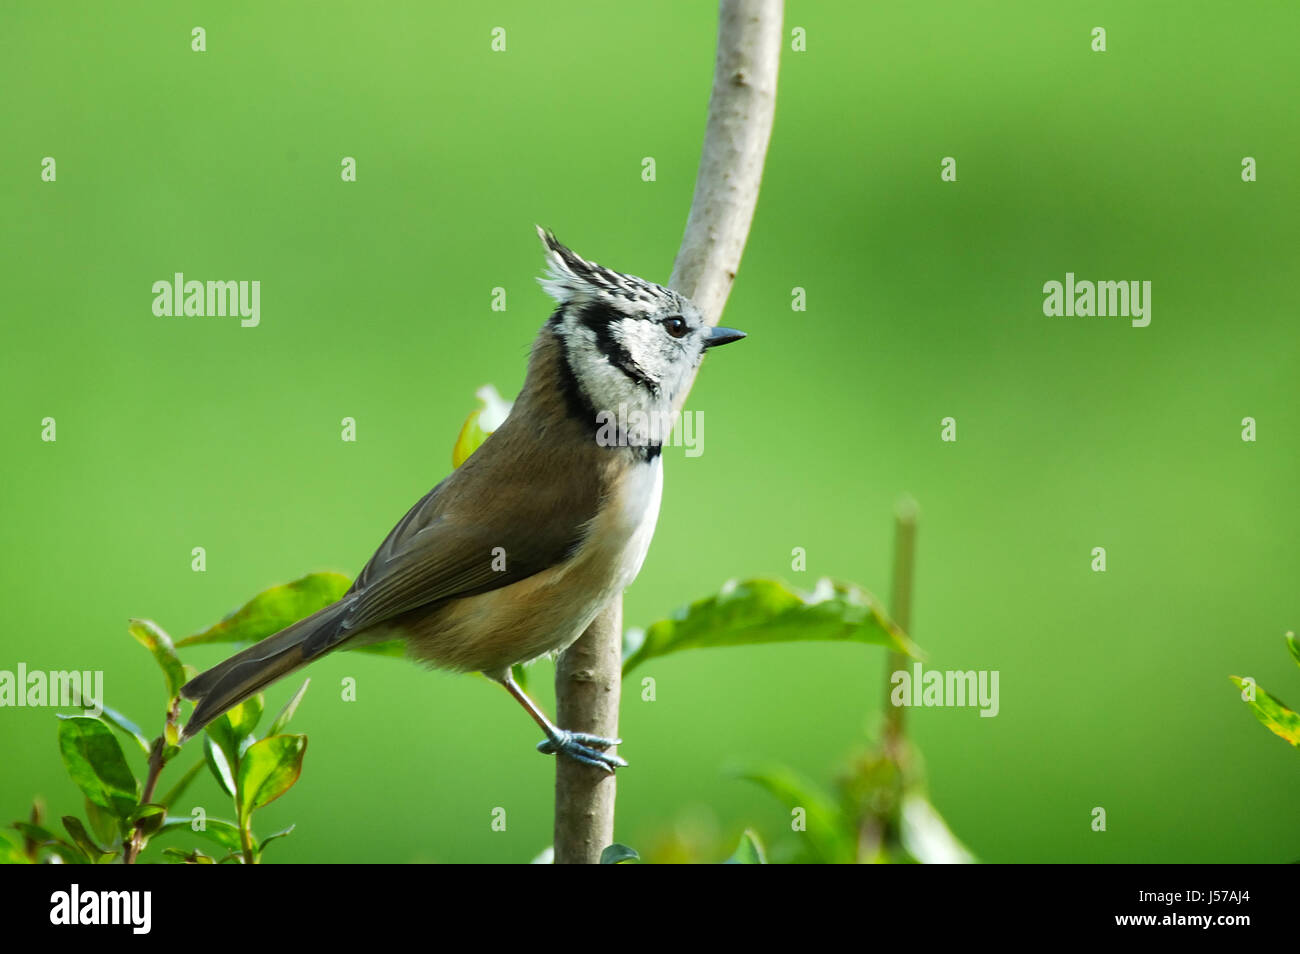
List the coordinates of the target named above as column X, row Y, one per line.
column 583, row 748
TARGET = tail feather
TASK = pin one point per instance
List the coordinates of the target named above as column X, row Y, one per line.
column 243, row 675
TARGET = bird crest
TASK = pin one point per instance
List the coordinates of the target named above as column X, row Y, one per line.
column 571, row 279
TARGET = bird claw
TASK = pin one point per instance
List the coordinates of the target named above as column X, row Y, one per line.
column 584, row 748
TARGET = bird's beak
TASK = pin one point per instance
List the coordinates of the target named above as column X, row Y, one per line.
column 721, row 336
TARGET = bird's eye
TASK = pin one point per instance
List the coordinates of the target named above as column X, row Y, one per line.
column 676, row 326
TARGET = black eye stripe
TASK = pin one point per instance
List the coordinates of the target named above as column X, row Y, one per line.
column 600, row 320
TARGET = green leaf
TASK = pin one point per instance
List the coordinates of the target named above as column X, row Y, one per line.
column 94, row 760
column 33, row 832
column 491, row 412
column 243, row 718
column 273, row 836
column 219, row 766
column 10, row 852
column 268, row 770
column 104, row 716
column 272, row 610
column 151, row 637
column 46, row 839
column 223, row 833
column 826, row 832
column 1294, row 645
column 749, row 851
column 616, row 854
column 751, row 612
column 81, row 838
column 149, row 818
column 107, row 828
column 289, row 709
column 232, row 729
column 1273, row 713
column 176, row 791
column 215, row 830
column 126, row 726
column 179, row 856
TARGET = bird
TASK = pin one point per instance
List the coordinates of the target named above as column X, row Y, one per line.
column 513, row 555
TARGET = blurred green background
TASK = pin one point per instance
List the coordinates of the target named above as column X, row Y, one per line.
column 924, row 301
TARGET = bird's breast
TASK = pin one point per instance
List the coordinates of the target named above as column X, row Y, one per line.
column 623, row 529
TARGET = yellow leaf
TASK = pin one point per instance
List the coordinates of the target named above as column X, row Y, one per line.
column 482, row 421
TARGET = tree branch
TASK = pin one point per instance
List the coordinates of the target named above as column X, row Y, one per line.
column 587, row 682
column 741, row 106
column 735, row 146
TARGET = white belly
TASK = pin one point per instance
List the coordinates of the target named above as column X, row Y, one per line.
column 641, row 514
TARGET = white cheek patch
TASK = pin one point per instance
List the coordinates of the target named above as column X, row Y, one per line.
column 671, row 363
column 605, row 386
column 644, row 342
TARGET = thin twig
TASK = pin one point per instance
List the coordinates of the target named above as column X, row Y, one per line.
column 741, row 107
column 246, row 843
column 135, row 843
column 900, row 609
column 878, row 833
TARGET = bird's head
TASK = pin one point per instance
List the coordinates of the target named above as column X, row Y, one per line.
column 627, row 341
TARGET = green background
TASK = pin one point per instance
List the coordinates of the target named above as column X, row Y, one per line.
column 924, row 301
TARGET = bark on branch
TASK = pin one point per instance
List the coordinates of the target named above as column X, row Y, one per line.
column 735, row 146
column 741, row 106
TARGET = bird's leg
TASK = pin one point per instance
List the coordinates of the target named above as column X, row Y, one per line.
column 579, row 746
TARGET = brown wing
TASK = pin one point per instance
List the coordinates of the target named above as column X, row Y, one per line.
column 488, row 525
